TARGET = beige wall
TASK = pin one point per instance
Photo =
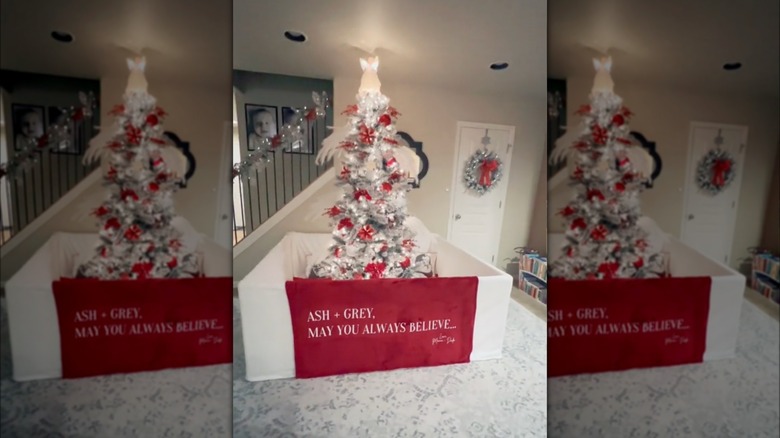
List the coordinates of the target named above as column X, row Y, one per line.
column 663, row 115
column 197, row 114
column 430, row 116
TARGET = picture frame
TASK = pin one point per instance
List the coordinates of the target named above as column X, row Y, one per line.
column 301, row 147
column 27, row 121
column 55, row 116
column 261, row 122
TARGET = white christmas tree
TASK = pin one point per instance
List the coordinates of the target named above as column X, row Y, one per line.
column 602, row 237
column 137, row 239
column 370, row 239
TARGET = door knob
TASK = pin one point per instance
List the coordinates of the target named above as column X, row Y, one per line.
column 457, row 217
column 690, row 217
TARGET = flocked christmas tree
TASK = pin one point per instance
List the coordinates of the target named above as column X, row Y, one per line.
column 603, row 239
column 370, row 239
column 137, row 239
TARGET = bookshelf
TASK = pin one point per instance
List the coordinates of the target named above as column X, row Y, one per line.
column 766, row 276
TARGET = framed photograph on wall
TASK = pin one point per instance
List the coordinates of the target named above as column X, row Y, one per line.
column 261, row 122
column 27, row 124
column 306, row 144
column 57, row 117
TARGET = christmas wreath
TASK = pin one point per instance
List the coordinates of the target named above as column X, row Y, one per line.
column 715, row 171
column 483, row 171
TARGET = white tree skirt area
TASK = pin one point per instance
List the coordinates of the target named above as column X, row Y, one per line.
column 734, row 397
column 186, row 402
column 505, row 397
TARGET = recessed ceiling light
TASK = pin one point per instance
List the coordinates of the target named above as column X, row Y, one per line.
column 294, row 36
column 63, row 37
column 499, row 66
column 730, row 66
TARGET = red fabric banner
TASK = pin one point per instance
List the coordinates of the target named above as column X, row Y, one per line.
column 611, row 325
column 353, row 326
column 126, row 326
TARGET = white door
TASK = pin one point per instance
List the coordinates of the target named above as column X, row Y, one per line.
column 708, row 221
column 475, row 221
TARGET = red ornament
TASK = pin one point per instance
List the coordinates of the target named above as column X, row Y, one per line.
column 100, row 211
column 337, row 252
column 174, row 244
column 639, row 263
column 362, row 193
column 405, row 263
column 112, row 223
column 486, row 169
column 395, row 176
column 641, row 244
column 570, row 251
column 624, row 162
column 311, row 114
column 43, row 141
column 78, row 114
column 598, row 233
column 408, row 244
column 172, row 263
column 367, row 135
column 578, row 223
column 719, row 170
column 345, row 223
column 386, row 186
column 133, row 233
column 578, row 173
column 103, row 251
column 333, row 211
column 133, row 134
column 161, row 177
column 142, row 270
column 153, row 187
column 599, row 135
column 376, row 270
column 128, row 193
column 385, row 120
column 620, row 187
column 366, row 233
column 608, row 270
column 391, row 162
column 567, row 211
column 152, row 120
column 595, row 194
column 618, row 120
column 345, row 173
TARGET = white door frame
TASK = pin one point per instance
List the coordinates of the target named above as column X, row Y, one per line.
column 456, row 183
column 690, row 185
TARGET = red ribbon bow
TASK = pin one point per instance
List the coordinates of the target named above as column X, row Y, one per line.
column 719, row 170
column 487, row 168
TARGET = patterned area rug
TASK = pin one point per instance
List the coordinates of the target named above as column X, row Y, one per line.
column 497, row 398
column 189, row 402
column 726, row 398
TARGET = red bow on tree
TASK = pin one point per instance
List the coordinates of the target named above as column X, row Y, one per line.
column 608, row 270
column 719, row 170
column 376, row 269
column 487, row 168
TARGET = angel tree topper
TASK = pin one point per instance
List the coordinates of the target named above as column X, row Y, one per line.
column 602, row 237
column 370, row 238
column 137, row 239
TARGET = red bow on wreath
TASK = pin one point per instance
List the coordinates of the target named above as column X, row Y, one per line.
column 487, row 168
column 719, row 170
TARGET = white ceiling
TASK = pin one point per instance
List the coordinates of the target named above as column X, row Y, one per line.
column 183, row 40
column 442, row 43
column 675, row 43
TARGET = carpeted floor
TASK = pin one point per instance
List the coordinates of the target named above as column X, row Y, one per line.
column 497, row 398
column 189, row 402
column 736, row 397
